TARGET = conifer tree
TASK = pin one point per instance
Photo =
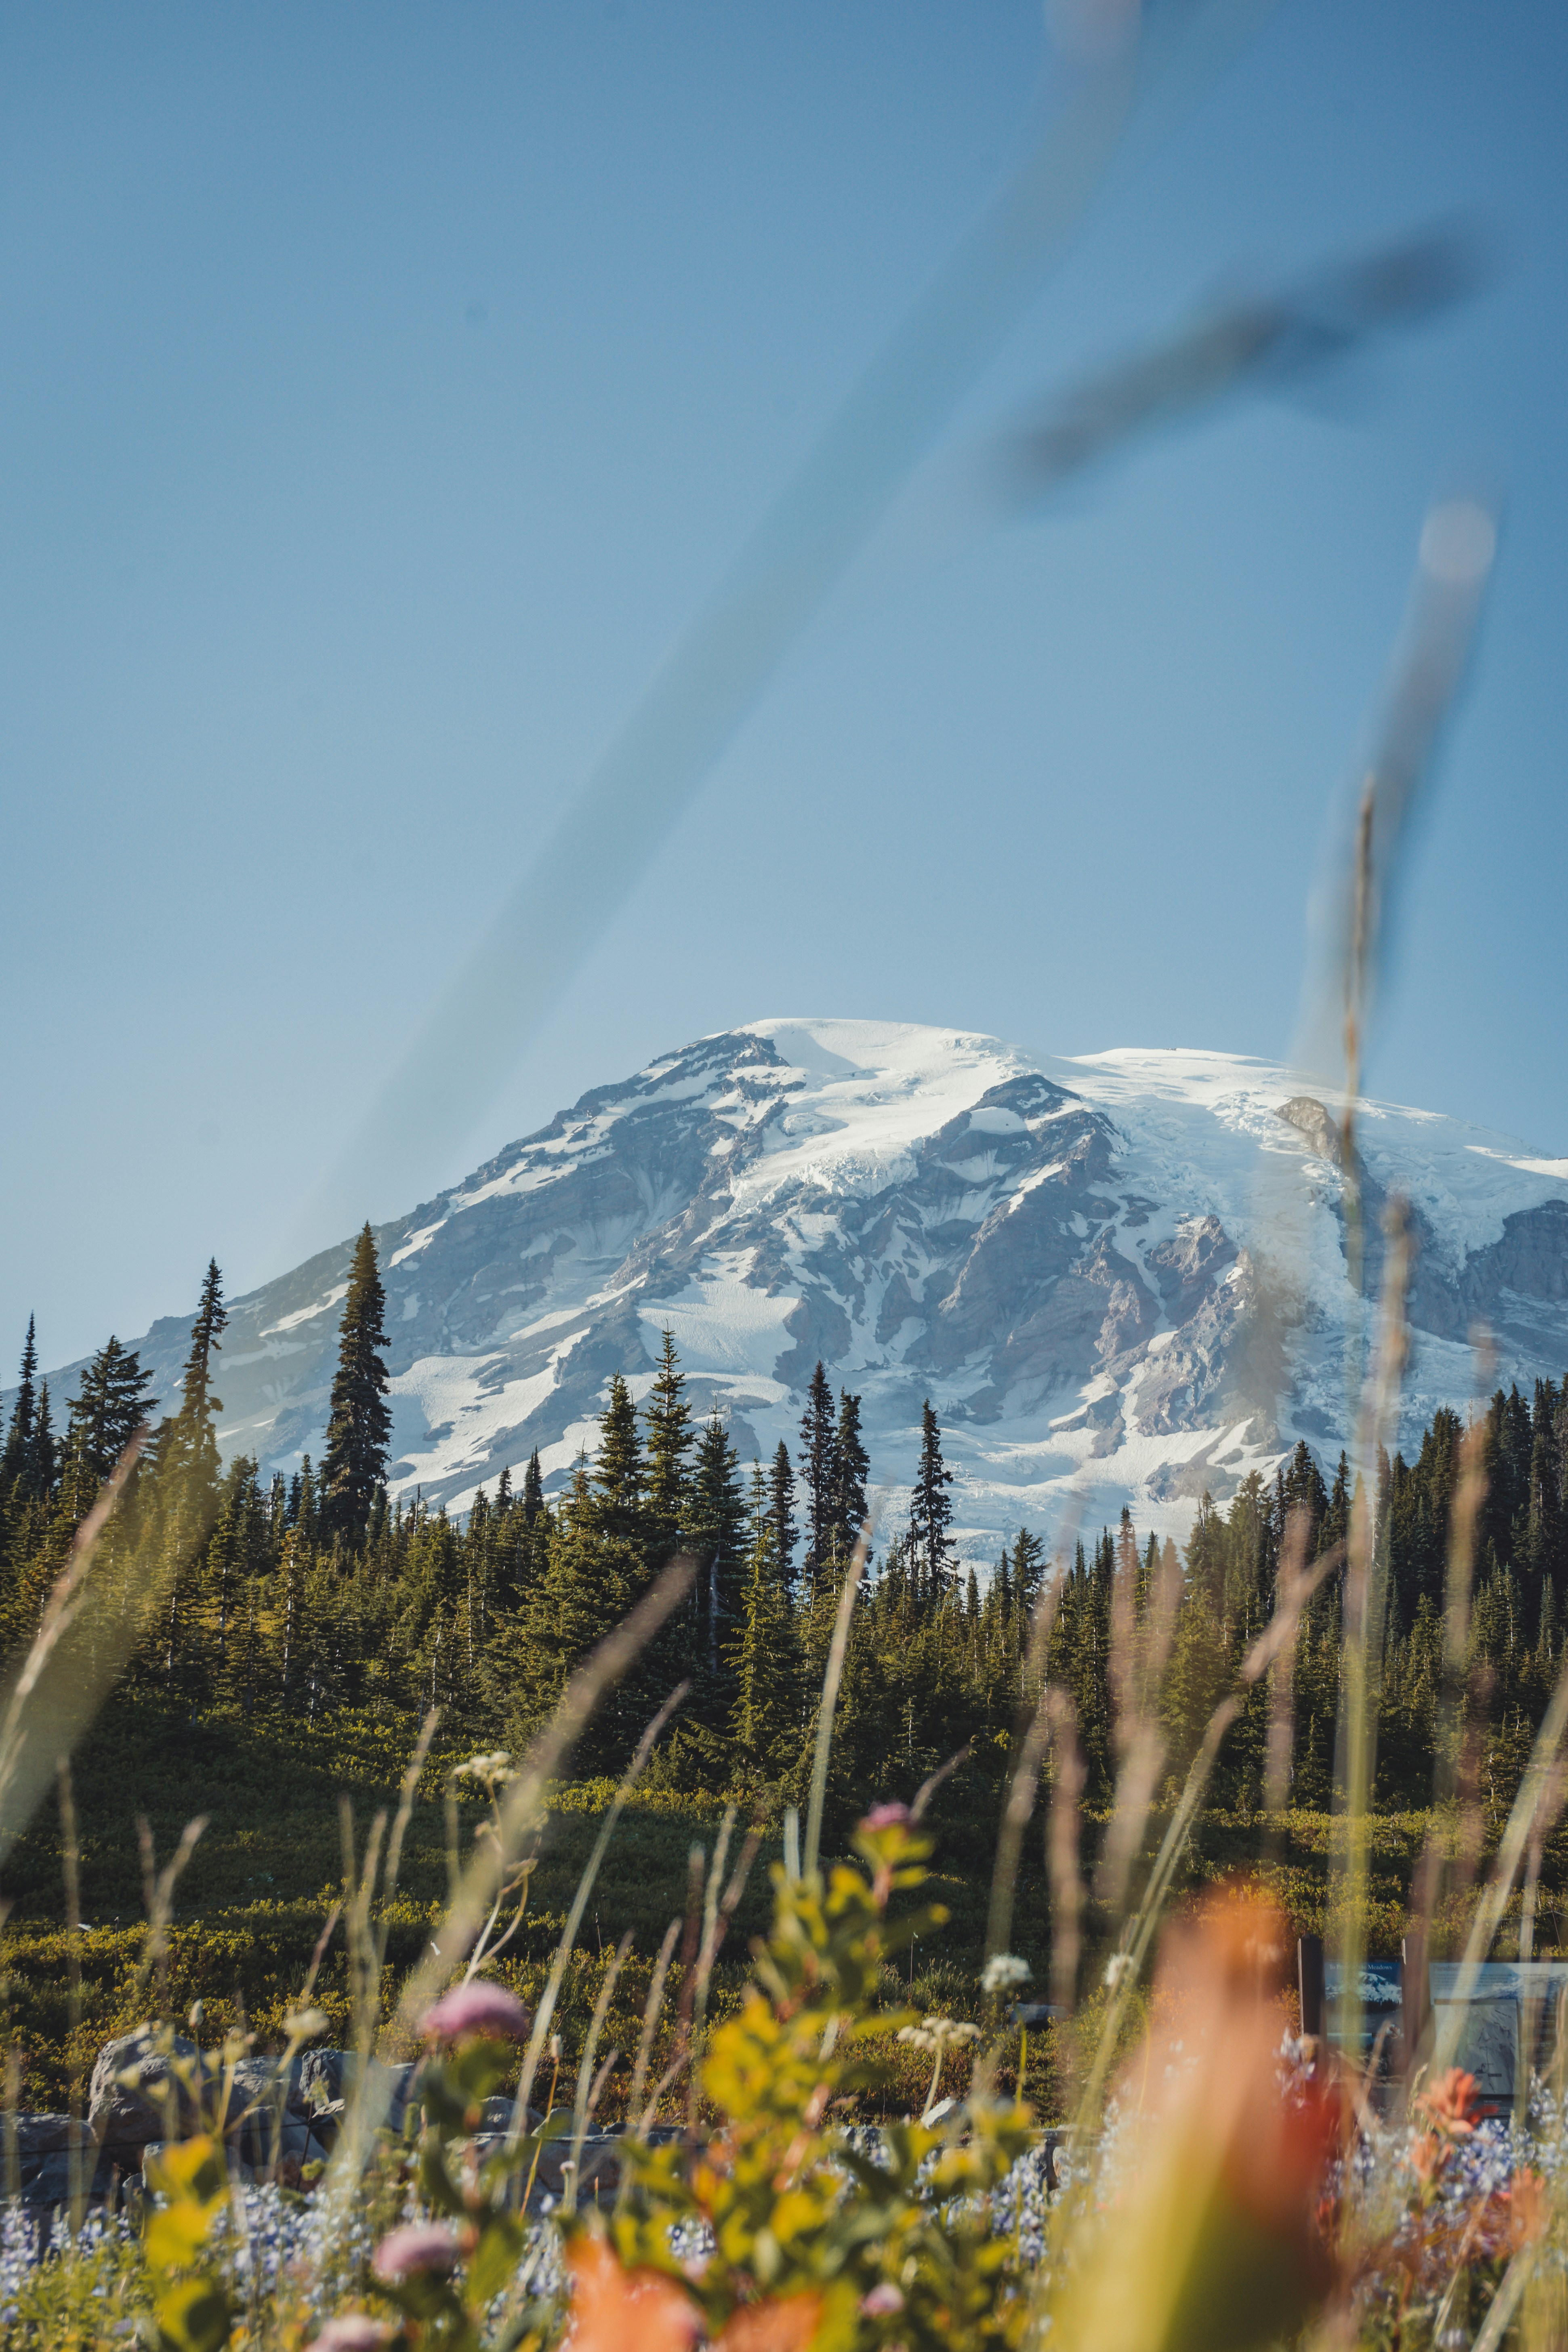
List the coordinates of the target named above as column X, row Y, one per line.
column 108, row 1408
column 187, row 1450
column 718, row 1533
column 359, row 1424
column 14, row 1463
column 762, row 1656
column 1026, row 1568
column 42, row 1467
column 669, row 1440
column 782, row 1506
column 533, row 1490
column 619, row 1478
column 819, row 1469
column 851, row 1468
column 930, row 1514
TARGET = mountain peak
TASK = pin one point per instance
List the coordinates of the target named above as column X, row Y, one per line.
column 1118, row 1277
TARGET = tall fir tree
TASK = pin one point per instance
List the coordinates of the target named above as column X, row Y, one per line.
column 671, row 1439
column 18, row 1453
column 781, row 1504
column 718, row 1537
column 763, row 1656
column 931, row 1514
column 851, row 1468
column 818, row 1470
column 359, row 1424
column 187, row 1454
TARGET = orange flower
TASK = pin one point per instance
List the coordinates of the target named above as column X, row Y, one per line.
column 788, row 2325
column 615, row 2310
column 1425, row 2154
column 1526, row 2201
column 1448, row 2103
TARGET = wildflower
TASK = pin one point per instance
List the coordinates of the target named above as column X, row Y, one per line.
column 1003, row 1971
column 471, row 2012
column 934, row 2033
column 1448, row 2103
column 613, row 2308
column 788, row 2325
column 887, row 1817
column 1120, row 1968
column 351, row 2331
column 1526, row 2200
column 883, row 2301
column 495, row 1769
column 422, row 2246
column 304, row 2024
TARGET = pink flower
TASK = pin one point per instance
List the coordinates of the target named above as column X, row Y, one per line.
column 351, row 2331
column 422, row 2246
column 887, row 1817
column 475, row 2012
column 882, row 2301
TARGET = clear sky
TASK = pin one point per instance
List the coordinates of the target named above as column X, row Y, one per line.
column 383, row 387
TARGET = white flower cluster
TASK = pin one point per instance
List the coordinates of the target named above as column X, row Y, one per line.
column 938, row 2034
column 1003, row 1971
column 1120, row 1970
column 494, row 1770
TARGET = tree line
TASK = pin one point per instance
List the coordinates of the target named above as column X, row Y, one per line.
column 296, row 1596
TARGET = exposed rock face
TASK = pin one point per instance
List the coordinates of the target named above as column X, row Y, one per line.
column 1308, row 1116
column 1124, row 1275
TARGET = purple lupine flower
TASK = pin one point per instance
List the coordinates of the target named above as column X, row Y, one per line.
column 478, row 2010
column 882, row 2302
column 422, row 2246
column 351, row 2331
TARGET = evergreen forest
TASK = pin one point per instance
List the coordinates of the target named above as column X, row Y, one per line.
column 296, row 1600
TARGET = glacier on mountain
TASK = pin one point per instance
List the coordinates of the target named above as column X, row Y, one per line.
column 1120, row 1277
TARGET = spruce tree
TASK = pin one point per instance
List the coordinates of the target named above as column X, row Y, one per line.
column 619, row 1476
column 819, row 1469
column 669, row 1440
column 851, row 1468
column 18, row 1450
column 533, row 1490
column 108, row 1408
column 718, row 1534
column 930, row 1514
column 781, row 1504
column 188, row 1453
column 1026, row 1568
column 762, row 1656
column 43, row 1464
column 359, row 1424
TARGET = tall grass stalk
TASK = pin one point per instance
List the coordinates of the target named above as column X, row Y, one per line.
column 1023, row 1784
column 1365, row 1611
column 565, row 1949
column 830, row 1681
column 652, row 2009
column 587, row 2091
column 71, row 1863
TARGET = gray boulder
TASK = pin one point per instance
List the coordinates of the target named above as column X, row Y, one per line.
column 329, row 2076
column 128, row 2115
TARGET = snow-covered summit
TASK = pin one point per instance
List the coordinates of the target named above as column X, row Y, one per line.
column 1117, row 1276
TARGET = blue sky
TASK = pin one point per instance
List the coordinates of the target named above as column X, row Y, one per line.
column 384, row 388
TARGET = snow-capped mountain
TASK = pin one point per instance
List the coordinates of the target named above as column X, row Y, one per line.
column 1119, row 1276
